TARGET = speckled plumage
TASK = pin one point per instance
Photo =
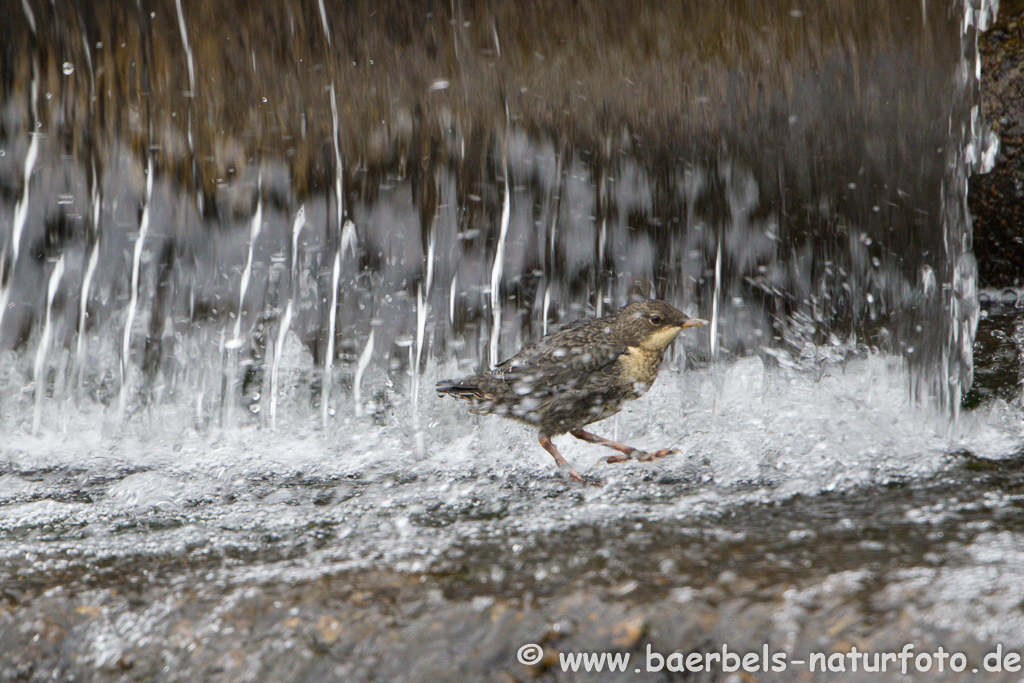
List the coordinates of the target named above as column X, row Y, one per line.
column 579, row 375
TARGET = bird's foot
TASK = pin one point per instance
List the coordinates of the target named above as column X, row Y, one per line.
column 660, row 453
column 642, row 456
column 576, row 476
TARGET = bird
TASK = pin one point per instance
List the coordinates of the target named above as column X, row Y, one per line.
column 578, row 375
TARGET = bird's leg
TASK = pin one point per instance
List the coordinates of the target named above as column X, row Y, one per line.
column 546, row 442
column 628, row 453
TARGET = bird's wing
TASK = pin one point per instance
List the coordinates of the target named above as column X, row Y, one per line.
column 571, row 335
column 560, row 360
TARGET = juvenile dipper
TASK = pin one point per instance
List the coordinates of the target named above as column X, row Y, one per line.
column 578, row 375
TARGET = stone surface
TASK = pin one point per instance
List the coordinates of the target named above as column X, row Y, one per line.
column 996, row 199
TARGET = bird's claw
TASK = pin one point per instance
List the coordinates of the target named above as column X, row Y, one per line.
column 576, row 476
column 661, row 453
column 642, row 456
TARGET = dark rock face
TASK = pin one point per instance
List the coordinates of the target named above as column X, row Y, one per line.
column 997, row 198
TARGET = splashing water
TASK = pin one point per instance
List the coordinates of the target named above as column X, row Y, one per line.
column 806, row 242
column 800, row 238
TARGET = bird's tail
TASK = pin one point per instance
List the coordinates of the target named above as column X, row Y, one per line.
column 466, row 388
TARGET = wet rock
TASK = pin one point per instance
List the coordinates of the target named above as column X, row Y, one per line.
column 996, row 199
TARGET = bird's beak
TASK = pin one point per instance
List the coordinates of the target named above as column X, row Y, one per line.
column 694, row 322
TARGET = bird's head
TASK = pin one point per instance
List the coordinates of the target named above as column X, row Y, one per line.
column 653, row 325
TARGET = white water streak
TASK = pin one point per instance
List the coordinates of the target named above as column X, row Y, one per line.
column 339, row 195
column 83, row 307
column 39, row 367
column 601, row 240
column 5, row 290
column 422, row 313
column 422, row 310
column 323, row 21
column 328, row 375
column 254, row 232
column 496, row 270
column 21, row 208
column 282, row 334
column 297, row 225
column 430, row 262
column 286, row 320
column 547, row 309
column 30, row 15
column 134, row 300
column 188, row 50
column 349, row 239
column 714, row 302
column 364, row 362
column 340, row 175
column 96, row 204
column 451, row 298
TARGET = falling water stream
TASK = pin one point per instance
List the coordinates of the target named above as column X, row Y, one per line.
column 240, row 243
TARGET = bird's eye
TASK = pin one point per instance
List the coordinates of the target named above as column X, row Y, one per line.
column 656, row 319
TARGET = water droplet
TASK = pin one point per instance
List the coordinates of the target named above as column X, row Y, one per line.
column 69, row 68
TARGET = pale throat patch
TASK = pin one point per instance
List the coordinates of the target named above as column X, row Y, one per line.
column 660, row 339
column 640, row 367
